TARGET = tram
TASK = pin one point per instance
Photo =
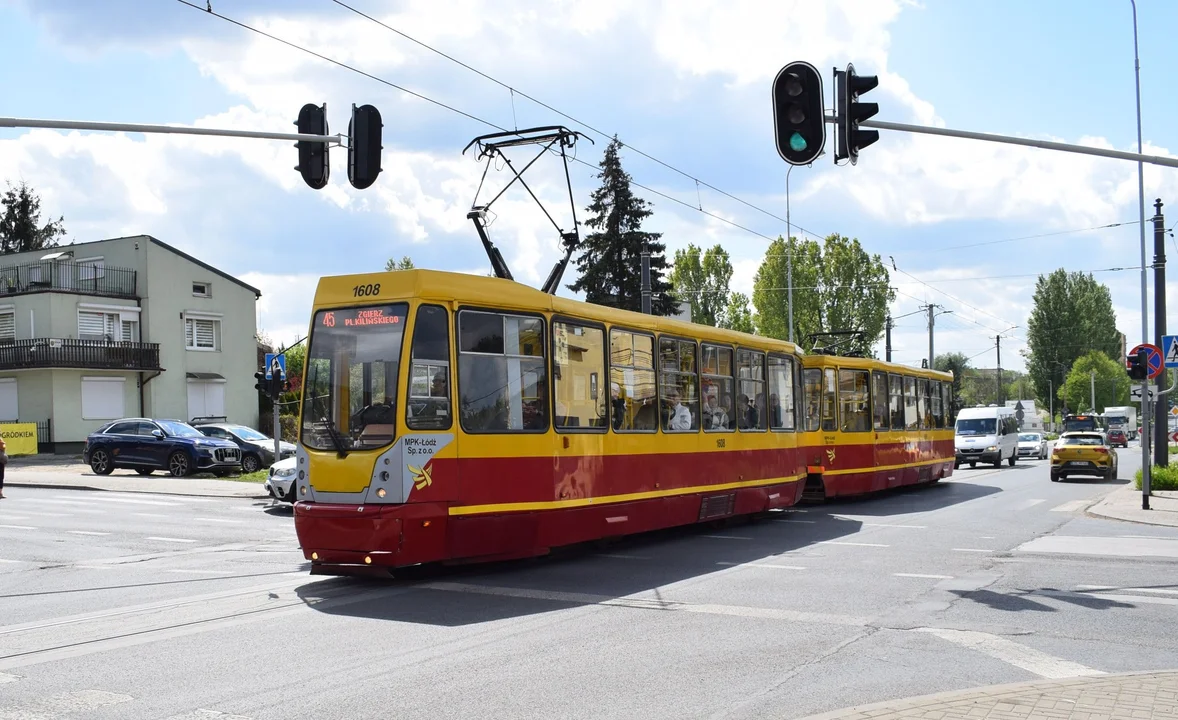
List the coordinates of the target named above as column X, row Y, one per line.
column 455, row 418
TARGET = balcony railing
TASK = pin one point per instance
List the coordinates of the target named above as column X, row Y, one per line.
column 59, row 276
column 84, row 354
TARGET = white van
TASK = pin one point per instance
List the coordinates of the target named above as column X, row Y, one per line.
column 986, row 434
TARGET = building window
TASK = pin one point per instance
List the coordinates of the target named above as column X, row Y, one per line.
column 103, row 398
column 429, row 374
column 717, row 388
column 781, row 393
column 632, row 388
column 206, row 399
column 99, row 326
column 854, row 400
column 678, row 393
column 201, row 333
column 7, row 328
column 202, row 289
column 879, row 398
column 91, row 268
column 9, row 405
column 502, row 382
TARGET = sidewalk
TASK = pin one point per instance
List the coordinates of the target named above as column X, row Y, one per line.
column 1124, row 503
column 1132, row 696
column 79, row 477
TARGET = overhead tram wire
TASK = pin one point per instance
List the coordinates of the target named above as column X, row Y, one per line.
column 467, row 115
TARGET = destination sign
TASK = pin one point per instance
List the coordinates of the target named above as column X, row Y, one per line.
column 365, row 317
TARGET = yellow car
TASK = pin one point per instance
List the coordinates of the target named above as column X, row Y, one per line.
column 1083, row 453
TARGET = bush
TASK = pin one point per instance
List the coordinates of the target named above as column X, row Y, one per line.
column 1160, row 478
column 1174, row 449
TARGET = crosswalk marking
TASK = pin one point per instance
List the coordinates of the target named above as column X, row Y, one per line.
column 1072, row 506
column 207, row 715
column 6, row 678
column 169, row 539
column 18, row 527
column 1008, row 651
column 81, row 701
column 87, row 532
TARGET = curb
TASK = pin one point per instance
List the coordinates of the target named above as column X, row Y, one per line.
column 61, row 486
column 989, row 692
column 1092, row 511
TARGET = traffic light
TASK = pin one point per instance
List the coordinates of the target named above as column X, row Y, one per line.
column 849, row 112
column 1138, row 365
column 313, row 160
column 364, row 138
column 276, row 385
column 262, row 385
column 799, row 123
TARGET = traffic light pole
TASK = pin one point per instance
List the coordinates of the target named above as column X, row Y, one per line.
column 1011, row 140
column 14, row 122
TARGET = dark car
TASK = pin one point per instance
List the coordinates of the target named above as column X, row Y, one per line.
column 1117, row 438
column 146, row 445
column 257, row 450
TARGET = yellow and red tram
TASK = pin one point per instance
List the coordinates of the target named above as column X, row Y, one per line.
column 450, row 417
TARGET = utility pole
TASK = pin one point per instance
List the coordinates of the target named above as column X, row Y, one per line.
column 1051, row 402
column 1161, row 445
column 998, row 341
column 1092, row 382
column 888, row 339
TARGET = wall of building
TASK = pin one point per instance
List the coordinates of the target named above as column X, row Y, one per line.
column 69, row 428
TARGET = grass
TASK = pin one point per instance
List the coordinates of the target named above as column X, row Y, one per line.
column 1174, row 449
column 1160, row 478
column 254, row 477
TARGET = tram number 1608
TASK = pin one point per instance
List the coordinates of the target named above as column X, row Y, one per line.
column 366, row 290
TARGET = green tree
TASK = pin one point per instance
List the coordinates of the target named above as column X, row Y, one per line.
column 610, row 260
column 1072, row 316
column 405, row 263
column 1111, row 382
column 956, row 363
column 737, row 315
column 702, row 279
column 20, row 222
column 837, row 286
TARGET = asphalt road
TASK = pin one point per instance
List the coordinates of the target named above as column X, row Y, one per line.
column 150, row 606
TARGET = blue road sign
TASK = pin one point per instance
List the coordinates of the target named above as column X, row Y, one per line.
column 1170, row 350
column 275, row 362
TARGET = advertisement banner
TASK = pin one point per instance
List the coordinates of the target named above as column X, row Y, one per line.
column 20, row 438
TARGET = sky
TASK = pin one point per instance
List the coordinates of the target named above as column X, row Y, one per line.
column 685, row 84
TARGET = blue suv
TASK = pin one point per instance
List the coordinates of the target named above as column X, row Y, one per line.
column 146, row 445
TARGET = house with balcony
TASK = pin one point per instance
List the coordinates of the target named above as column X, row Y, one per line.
column 131, row 326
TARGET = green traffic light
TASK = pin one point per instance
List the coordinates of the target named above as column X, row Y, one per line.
column 797, row 143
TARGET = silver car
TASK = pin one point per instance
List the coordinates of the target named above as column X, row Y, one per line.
column 1033, row 445
column 280, row 482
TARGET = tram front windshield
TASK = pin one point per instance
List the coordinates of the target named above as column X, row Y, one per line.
column 350, row 395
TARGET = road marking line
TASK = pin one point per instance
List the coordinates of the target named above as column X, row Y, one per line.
column 45, row 514
column 1027, row 504
column 727, row 537
column 1021, row 656
column 650, row 604
column 906, row 527
column 18, row 527
column 207, row 715
column 3, row 560
column 13, row 517
column 851, row 544
column 623, row 557
column 151, row 515
column 72, row 504
column 220, row 520
column 979, row 550
column 985, row 537
column 762, row 565
column 1116, row 597
column 1128, row 589
column 169, row 539
column 87, row 532
column 1071, row 506
column 82, row 701
column 6, row 678
column 128, row 500
column 921, row 575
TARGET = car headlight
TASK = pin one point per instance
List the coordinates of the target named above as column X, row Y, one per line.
column 284, row 472
column 992, row 448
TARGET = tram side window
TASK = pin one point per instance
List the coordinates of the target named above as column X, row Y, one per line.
column 812, row 387
column 578, row 365
column 947, row 389
column 854, row 400
column 717, row 388
column 429, row 374
column 911, row 414
column 921, row 403
column 781, row 393
column 502, row 383
column 896, row 386
column 633, row 405
column 935, row 397
column 799, row 395
column 679, row 392
column 750, row 402
column 830, row 421
column 879, row 400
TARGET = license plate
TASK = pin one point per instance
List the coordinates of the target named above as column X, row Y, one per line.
column 1077, row 462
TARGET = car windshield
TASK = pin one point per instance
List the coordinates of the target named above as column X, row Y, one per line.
column 179, row 429
column 1082, row 440
column 350, row 397
column 246, row 433
column 976, row 426
column 1028, row 437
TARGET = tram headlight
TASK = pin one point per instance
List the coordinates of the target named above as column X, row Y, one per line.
column 380, row 492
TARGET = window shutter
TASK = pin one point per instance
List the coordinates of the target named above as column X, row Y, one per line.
column 204, row 334
column 91, row 324
column 129, row 328
column 188, row 342
column 7, row 326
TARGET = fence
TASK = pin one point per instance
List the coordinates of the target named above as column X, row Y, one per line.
column 85, row 354
column 58, row 276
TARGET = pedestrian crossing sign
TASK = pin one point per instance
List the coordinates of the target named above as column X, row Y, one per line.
column 1170, row 350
